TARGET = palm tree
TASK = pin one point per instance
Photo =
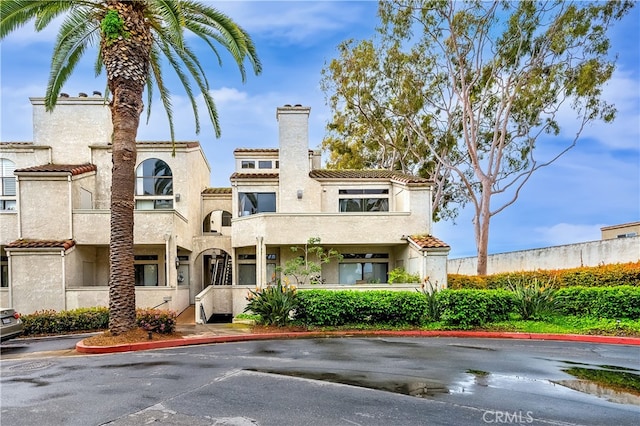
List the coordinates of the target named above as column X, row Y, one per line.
column 133, row 39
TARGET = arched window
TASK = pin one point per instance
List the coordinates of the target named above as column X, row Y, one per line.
column 8, row 181
column 154, row 185
column 215, row 220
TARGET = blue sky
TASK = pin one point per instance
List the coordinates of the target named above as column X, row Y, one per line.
column 596, row 184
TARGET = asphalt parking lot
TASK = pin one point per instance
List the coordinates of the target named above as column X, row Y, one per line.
column 326, row 381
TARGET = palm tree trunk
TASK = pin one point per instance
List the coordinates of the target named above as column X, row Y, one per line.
column 127, row 63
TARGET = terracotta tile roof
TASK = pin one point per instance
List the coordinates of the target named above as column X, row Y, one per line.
column 10, row 144
column 27, row 243
column 367, row 174
column 270, row 150
column 262, row 150
column 72, row 169
column 189, row 144
column 254, row 176
column 428, row 241
column 217, row 191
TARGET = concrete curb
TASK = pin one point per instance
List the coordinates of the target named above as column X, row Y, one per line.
column 202, row 339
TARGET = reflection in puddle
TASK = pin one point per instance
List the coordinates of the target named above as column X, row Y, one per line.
column 405, row 385
column 616, row 384
column 595, row 389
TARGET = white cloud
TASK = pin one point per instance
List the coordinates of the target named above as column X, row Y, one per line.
column 623, row 91
column 228, row 95
column 26, row 35
column 294, row 21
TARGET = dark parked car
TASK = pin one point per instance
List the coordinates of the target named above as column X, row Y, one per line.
column 12, row 326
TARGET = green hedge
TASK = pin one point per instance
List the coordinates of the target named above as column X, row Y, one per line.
column 602, row 302
column 597, row 276
column 341, row 307
column 77, row 320
column 468, row 308
column 463, row 308
column 92, row 319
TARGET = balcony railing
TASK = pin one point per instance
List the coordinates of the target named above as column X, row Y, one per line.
column 331, row 228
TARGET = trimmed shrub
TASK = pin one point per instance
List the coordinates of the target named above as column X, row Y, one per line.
column 399, row 275
column 594, row 276
column 458, row 282
column 93, row 319
column 161, row 321
column 469, row 308
column 342, row 307
column 76, row 320
column 602, row 302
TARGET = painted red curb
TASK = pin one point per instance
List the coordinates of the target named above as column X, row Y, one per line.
column 202, row 340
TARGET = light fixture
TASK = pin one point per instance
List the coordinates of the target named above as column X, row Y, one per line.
column 299, row 194
column 177, row 198
column 177, row 263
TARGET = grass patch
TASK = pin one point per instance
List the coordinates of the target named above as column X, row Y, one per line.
column 479, row 373
column 570, row 325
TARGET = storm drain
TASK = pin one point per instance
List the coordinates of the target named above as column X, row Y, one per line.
column 28, row 366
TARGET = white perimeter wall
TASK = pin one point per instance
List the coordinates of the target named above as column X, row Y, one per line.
column 594, row 253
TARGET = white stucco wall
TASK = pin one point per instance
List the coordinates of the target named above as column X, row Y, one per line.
column 44, row 208
column 594, row 253
column 72, row 127
column 43, row 288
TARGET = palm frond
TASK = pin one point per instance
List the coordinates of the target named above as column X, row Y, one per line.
column 156, row 76
column 76, row 33
column 226, row 32
column 168, row 14
column 16, row 13
column 176, row 64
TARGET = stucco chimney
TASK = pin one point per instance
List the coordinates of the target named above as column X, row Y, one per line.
column 293, row 124
column 74, row 124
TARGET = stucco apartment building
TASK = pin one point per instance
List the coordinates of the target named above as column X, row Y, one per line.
column 192, row 239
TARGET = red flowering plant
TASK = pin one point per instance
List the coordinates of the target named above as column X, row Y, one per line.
column 161, row 321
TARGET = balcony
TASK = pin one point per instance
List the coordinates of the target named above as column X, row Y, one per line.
column 150, row 226
column 331, row 228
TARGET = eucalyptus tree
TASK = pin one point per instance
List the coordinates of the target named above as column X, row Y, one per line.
column 133, row 39
column 493, row 82
column 371, row 95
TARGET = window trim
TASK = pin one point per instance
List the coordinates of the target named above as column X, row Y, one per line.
column 142, row 200
column 142, row 260
column 8, row 201
column 255, row 209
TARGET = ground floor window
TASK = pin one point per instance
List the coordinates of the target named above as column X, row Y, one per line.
column 4, row 271
column 247, row 274
column 146, row 270
column 363, row 273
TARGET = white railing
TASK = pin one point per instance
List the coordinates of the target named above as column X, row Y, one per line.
column 204, row 305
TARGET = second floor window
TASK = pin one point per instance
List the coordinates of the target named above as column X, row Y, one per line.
column 154, row 185
column 8, row 185
column 256, row 202
column 363, row 200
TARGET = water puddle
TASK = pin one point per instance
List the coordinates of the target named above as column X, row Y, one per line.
column 615, row 384
column 406, row 385
column 595, row 389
